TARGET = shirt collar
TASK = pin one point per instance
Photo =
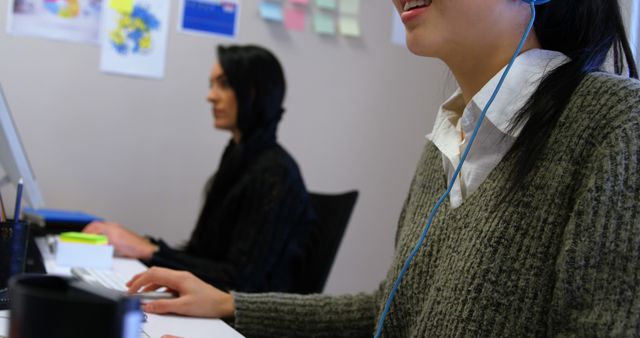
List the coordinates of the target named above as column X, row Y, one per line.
column 454, row 118
column 519, row 85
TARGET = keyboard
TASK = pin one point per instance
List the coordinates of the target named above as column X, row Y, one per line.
column 101, row 277
column 112, row 280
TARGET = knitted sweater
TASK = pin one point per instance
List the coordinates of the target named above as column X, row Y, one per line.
column 560, row 258
column 251, row 237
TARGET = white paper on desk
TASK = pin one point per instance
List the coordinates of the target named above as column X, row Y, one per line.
column 4, row 323
column 84, row 255
column 190, row 327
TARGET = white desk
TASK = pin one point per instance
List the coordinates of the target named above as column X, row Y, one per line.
column 156, row 325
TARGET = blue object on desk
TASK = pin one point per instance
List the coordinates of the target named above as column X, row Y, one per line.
column 60, row 216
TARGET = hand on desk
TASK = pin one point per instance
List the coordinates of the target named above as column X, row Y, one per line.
column 196, row 298
column 125, row 242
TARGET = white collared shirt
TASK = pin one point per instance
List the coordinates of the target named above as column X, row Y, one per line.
column 455, row 123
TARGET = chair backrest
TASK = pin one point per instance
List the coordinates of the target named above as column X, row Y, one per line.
column 333, row 211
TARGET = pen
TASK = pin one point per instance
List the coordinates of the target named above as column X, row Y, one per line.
column 51, row 243
column 4, row 214
column 16, row 213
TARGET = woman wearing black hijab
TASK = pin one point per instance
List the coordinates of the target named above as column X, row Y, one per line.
column 252, row 229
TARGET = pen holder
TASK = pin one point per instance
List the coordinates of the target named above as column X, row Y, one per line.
column 60, row 307
column 13, row 249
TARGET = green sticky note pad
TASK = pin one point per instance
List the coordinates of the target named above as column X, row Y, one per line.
column 324, row 24
column 326, row 4
column 350, row 7
column 83, row 238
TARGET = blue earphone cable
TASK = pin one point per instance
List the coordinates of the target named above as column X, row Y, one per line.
column 423, row 236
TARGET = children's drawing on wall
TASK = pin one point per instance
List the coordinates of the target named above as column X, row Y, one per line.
column 133, row 34
column 67, row 20
column 134, row 37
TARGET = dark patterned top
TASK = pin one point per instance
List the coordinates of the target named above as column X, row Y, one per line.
column 251, row 232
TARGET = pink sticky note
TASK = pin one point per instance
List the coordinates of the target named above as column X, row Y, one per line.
column 300, row 2
column 294, row 19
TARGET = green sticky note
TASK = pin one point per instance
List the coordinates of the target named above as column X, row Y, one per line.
column 326, row 4
column 350, row 7
column 349, row 26
column 324, row 24
column 122, row 6
column 83, row 238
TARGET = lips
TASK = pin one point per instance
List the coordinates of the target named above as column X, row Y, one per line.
column 413, row 9
column 414, row 4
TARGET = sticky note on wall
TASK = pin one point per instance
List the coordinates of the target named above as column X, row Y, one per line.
column 326, row 4
column 122, row 6
column 294, row 19
column 350, row 7
column 271, row 11
column 349, row 26
column 324, row 24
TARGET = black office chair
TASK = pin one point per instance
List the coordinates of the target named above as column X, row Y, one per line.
column 334, row 211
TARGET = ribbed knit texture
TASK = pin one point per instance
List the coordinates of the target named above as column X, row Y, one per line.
column 560, row 258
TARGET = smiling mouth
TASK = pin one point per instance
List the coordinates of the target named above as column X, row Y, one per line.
column 411, row 5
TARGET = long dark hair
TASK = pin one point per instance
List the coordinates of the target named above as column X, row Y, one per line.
column 258, row 82
column 257, row 79
column 586, row 31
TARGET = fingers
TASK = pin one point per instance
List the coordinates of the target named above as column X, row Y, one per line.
column 169, row 336
column 93, row 227
column 146, row 288
column 134, row 278
column 165, row 306
column 151, row 287
column 158, row 276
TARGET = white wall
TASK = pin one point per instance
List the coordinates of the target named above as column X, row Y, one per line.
column 631, row 16
column 139, row 151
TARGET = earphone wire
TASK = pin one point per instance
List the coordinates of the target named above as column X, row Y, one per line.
column 433, row 212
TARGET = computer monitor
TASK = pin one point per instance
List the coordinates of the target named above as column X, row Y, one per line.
column 13, row 158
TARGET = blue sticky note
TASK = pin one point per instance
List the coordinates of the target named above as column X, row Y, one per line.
column 271, row 11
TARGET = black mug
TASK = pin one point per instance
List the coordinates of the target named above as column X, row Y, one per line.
column 63, row 307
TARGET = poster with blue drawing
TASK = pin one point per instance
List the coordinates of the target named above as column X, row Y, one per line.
column 134, row 37
column 66, row 20
column 210, row 17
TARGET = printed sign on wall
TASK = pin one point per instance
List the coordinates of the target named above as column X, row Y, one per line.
column 210, row 17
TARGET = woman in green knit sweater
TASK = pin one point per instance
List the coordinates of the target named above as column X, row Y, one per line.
column 540, row 235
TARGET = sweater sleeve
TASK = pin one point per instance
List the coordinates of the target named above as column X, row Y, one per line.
column 289, row 315
column 268, row 207
column 597, row 287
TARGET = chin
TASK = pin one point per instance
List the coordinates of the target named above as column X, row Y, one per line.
column 220, row 126
column 419, row 45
